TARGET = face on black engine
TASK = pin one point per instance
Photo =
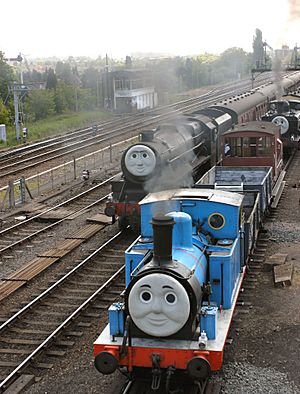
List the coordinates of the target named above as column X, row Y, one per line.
column 140, row 160
column 281, row 121
column 158, row 305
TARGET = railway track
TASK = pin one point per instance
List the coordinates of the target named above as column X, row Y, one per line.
column 17, row 331
column 19, row 161
column 78, row 134
column 205, row 387
column 49, row 318
column 8, row 348
column 24, row 231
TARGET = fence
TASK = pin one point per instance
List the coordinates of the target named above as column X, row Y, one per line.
column 14, row 193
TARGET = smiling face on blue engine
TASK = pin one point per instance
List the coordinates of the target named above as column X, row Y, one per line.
column 158, row 305
column 140, row 160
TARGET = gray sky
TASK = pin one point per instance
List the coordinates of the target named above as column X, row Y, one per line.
column 63, row 28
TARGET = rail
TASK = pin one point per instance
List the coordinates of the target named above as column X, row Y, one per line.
column 11, row 377
column 54, row 177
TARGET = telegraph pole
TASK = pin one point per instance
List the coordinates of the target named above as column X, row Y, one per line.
column 15, row 89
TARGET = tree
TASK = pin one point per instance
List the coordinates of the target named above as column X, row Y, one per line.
column 64, row 72
column 59, row 98
column 234, row 63
column 4, row 114
column 51, row 82
column 89, row 78
column 6, row 76
column 40, row 104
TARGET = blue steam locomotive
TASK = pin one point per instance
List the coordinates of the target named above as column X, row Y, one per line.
column 183, row 276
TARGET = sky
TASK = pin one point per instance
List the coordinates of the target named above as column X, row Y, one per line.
column 62, row 28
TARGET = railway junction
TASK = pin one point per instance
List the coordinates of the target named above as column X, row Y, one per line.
column 261, row 354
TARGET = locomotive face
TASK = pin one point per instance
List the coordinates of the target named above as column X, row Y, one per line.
column 282, row 122
column 140, row 160
column 159, row 305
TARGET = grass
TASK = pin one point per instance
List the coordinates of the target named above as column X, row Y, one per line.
column 56, row 125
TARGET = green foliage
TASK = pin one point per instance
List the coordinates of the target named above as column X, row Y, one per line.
column 4, row 114
column 59, row 98
column 51, row 82
column 232, row 64
column 86, row 100
column 39, row 104
column 6, row 76
column 55, row 125
column 58, row 124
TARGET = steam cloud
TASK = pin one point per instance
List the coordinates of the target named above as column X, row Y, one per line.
column 293, row 16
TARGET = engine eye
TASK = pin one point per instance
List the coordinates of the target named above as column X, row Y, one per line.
column 145, row 155
column 171, row 298
column 216, row 221
column 146, row 296
column 134, row 156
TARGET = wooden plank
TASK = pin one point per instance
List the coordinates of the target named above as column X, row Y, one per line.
column 43, row 365
column 15, row 351
column 46, row 259
column 19, row 278
column 62, row 248
column 69, row 244
column 58, row 214
column 77, row 214
column 86, row 232
column 55, row 353
column 20, row 384
column 64, row 343
column 283, row 274
column 41, row 323
column 27, row 331
column 9, row 364
column 100, row 218
column 74, row 333
column 274, row 260
column 34, row 206
column 278, row 258
column 55, row 252
column 20, row 341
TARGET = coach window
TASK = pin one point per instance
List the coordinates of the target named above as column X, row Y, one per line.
column 249, row 147
column 264, row 147
column 235, row 146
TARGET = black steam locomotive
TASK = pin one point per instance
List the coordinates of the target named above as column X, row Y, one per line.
column 286, row 114
column 181, row 150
